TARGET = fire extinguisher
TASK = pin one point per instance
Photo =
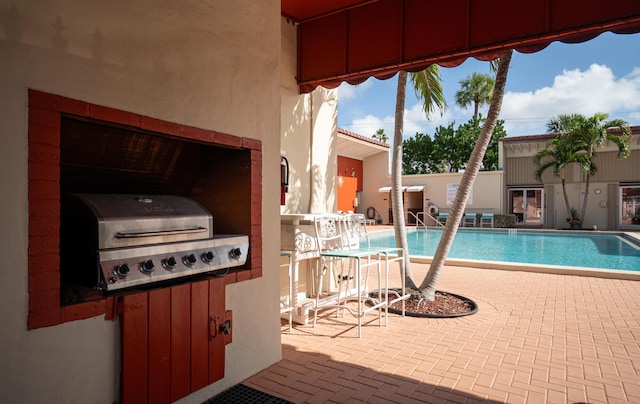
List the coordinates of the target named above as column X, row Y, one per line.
column 284, row 178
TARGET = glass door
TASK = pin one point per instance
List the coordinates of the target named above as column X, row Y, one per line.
column 630, row 198
column 526, row 205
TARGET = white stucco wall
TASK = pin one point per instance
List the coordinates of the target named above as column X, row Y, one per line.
column 309, row 138
column 309, row 141
column 488, row 189
column 213, row 65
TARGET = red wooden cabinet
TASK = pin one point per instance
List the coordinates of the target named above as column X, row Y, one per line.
column 171, row 340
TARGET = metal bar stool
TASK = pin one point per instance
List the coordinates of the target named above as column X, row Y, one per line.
column 334, row 251
column 288, row 306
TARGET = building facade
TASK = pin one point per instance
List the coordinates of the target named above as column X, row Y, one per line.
column 613, row 191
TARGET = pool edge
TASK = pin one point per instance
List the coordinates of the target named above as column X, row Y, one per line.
column 605, row 273
column 540, row 268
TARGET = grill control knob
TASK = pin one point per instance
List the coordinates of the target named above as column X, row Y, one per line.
column 235, row 253
column 208, row 257
column 190, row 260
column 169, row 263
column 147, row 267
column 122, row 270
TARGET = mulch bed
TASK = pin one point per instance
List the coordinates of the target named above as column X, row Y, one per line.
column 445, row 305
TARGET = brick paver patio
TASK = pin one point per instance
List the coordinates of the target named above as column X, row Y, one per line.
column 537, row 338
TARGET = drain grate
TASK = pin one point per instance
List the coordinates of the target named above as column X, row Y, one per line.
column 241, row 394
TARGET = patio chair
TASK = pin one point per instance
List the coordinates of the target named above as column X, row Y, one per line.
column 334, row 248
column 442, row 217
column 357, row 236
column 486, row 219
column 469, row 220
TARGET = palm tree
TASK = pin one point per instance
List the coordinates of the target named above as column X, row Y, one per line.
column 381, row 136
column 557, row 155
column 588, row 134
column 475, row 90
column 427, row 84
column 427, row 288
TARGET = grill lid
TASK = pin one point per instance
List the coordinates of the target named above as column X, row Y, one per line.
column 126, row 220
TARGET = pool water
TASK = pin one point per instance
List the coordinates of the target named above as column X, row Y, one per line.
column 576, row 249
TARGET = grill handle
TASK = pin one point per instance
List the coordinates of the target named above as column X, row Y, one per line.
column 159, row 233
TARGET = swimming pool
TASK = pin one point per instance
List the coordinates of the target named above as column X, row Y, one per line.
column 579, row 249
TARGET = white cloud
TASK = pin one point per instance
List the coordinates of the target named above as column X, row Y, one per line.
column 525, row 113
column 347, row 91
column 574, row 91
column 369, row 125
column 414, row 122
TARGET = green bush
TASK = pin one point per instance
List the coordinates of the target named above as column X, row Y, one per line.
column 504, row 221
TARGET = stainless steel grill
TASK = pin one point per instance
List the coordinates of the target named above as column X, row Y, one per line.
column 115, row 241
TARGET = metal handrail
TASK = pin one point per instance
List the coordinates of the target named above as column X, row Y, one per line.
column 436, row 221
column 420, row 222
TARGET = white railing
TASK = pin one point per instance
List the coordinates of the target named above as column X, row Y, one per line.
column 421, row 221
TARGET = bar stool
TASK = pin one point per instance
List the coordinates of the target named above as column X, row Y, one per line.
column 288, row 306
column 357, row 234
column 334, row 250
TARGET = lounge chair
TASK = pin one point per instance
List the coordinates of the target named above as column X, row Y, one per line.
column 486, row 219
column 442, row 217
column 469, row 220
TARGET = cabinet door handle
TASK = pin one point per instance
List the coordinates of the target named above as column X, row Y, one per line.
column 213, row 328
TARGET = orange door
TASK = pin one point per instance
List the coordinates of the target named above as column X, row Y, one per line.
column 347, row 187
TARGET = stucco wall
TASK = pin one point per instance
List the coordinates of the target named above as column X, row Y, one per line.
column 487, row 193
column 198, row 64
column 376, row 175
column 309, row 137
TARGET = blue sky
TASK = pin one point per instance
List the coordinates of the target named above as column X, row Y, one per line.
column 601, row 75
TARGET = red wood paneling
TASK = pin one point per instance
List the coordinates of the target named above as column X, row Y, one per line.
column 171, row 341
column 180, row 341
column 134, row 336
column 216, row 339
column 160, row 366
column 199, row 335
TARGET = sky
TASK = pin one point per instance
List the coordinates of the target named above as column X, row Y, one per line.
column 601, row 75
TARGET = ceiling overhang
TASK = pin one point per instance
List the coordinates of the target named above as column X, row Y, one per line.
column 357, row 146
column 351, row 40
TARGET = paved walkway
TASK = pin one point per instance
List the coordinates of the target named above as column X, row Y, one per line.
column 537, row 338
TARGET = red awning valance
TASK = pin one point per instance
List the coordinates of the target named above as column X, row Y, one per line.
column 359, row 39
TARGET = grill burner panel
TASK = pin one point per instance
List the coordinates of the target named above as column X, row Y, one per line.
column 125, row 268
column 111, row 242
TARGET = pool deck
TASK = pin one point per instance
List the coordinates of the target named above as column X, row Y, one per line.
column 536, row 338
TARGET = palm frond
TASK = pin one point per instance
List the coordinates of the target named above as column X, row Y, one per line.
column 428, row 88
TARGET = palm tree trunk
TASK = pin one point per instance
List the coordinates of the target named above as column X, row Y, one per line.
column 429, row 284
column 566, row 197
column 586, row 197
column 399, row 226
